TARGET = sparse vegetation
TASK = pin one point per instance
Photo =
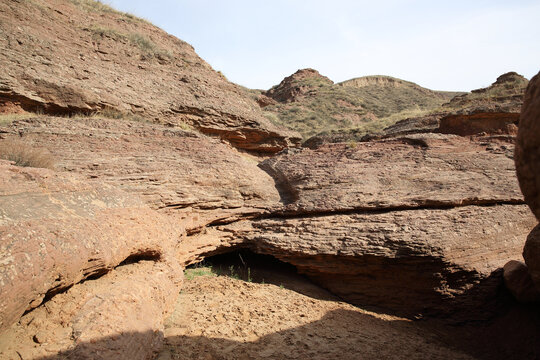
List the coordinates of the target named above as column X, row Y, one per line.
column 192, row 273
column 325, row 106
column 25, row 154
column 7, row 119
column 99, row 6
column 148, row 48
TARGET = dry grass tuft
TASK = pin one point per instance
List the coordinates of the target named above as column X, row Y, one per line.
column 25, row 154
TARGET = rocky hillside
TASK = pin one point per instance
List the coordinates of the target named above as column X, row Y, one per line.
column 310, row 103
column 101, row 214
column 80, row 57
column 494, row 109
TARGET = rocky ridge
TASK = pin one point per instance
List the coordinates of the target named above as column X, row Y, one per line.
column 70, row 57
column 311, row 103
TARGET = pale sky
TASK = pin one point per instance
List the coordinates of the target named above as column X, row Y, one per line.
column 442, row 45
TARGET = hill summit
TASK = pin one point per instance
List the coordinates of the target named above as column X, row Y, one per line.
column 310, row 103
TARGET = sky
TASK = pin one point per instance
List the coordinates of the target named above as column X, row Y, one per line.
column 442, row 45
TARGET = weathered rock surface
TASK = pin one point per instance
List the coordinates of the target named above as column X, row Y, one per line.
column 171, row 169
column 118, row 316
column 417, row 224
column 416, row 171
column 518, row 280
column 428, row 261
column 528, row 147
column 57, row 229
column 63, row 57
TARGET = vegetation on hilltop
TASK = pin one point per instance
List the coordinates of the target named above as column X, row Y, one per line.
column 318, row 105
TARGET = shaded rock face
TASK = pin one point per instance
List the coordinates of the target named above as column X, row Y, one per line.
column 518, row 280
column 528, row 147
column 64, row 57
column 57, row 230
column 527, row 162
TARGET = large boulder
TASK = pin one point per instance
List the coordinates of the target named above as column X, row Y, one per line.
column 527, row 166
column 528, row 146
column 518, row 280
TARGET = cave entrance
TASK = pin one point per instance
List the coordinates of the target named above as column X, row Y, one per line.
column 248, row 266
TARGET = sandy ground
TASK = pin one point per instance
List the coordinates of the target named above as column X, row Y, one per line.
column 220, row 317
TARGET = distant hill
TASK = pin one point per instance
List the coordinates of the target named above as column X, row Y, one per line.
column 311, row 103
column 493, row 109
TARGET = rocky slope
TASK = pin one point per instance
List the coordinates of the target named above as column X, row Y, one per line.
column 80, row 56
column 92, row 251
column 311, row 103
column 494, row 110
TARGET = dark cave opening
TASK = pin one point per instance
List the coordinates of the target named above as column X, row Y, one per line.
column 246, row 265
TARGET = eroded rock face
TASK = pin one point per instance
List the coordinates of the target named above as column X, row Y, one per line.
column 172, row 170
column 62, row 57
column 420, row 223
column 118, row 316
column 417, row 171
column 56, row 229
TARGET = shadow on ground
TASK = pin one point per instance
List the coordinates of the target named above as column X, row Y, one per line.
column 331, row 337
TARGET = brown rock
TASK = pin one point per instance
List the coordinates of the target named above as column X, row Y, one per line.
column 528, row 146
column 480, row 121
column 118, row 316
column 57, row 229
column 109, row 61
column 418, row 224
column 428, row 261
column 531, row 254
column 171, row 169
column 492, row 110
column 416, row 171
column 289, row 91
column 518, row 280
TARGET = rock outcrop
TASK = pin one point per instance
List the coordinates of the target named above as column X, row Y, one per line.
column 419, row 224
column 63, row 57
column 57, row 230
column 298, row 85
column 169, row 168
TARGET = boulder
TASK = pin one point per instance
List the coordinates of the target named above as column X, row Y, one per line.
column 531, row 254
column 518, row 280
column 528, row 146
